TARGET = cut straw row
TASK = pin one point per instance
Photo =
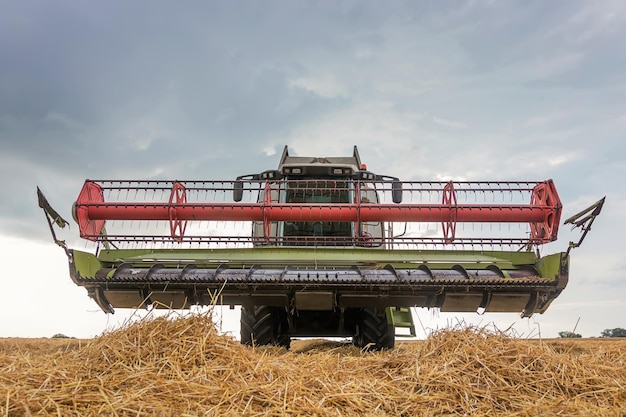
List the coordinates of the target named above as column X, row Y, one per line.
column 181, row 366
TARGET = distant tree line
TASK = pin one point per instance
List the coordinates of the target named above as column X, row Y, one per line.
column 617, row 332
column 569, row 335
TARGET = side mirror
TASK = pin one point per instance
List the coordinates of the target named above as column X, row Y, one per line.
column 238, row 190
column 396, row 191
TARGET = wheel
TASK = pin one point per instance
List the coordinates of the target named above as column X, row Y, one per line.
column 264, row 325
column 373, row 331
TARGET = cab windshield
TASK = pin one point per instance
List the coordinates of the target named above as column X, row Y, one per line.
column 318, row 233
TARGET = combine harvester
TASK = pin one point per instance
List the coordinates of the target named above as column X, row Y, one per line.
column 321, row 247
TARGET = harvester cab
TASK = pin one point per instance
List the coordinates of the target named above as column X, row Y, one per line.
column 321, row 247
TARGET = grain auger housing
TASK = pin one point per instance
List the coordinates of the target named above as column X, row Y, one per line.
column 320, row 246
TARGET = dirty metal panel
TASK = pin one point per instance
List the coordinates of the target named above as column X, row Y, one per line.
column 258, row 299
column 124, row 298
column 502, row 303
column 461, row 302
column 169, row 299
column 314, row 300
column 367, row 300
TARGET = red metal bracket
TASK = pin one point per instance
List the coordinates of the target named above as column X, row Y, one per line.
column 178, row 197
column 544, row 195
column 449, row 200
column 267, row 201
column 91, row 193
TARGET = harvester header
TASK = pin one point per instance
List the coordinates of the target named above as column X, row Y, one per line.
column 320, row 246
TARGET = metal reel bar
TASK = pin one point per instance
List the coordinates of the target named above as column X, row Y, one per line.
column 542, row 213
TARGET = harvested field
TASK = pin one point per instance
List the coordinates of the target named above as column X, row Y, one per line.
column 181, row 366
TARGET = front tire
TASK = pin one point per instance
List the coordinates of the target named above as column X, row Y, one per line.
column 264, row 325
column 373, row 331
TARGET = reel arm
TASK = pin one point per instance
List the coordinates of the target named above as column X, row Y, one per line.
column 584, row 220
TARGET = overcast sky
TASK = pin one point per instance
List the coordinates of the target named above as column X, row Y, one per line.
column 468, row 90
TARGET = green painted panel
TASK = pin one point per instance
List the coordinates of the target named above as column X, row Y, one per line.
column 405, row 259
column 86, row 264
column 550, row 266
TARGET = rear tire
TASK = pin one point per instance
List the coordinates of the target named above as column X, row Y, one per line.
column 264, row 325
column 373, row 332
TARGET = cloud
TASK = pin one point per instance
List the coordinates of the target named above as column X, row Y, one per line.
column 324, row 85
column 543, row 120
column 591, row 21
column 449, row 123
column 564, row 158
